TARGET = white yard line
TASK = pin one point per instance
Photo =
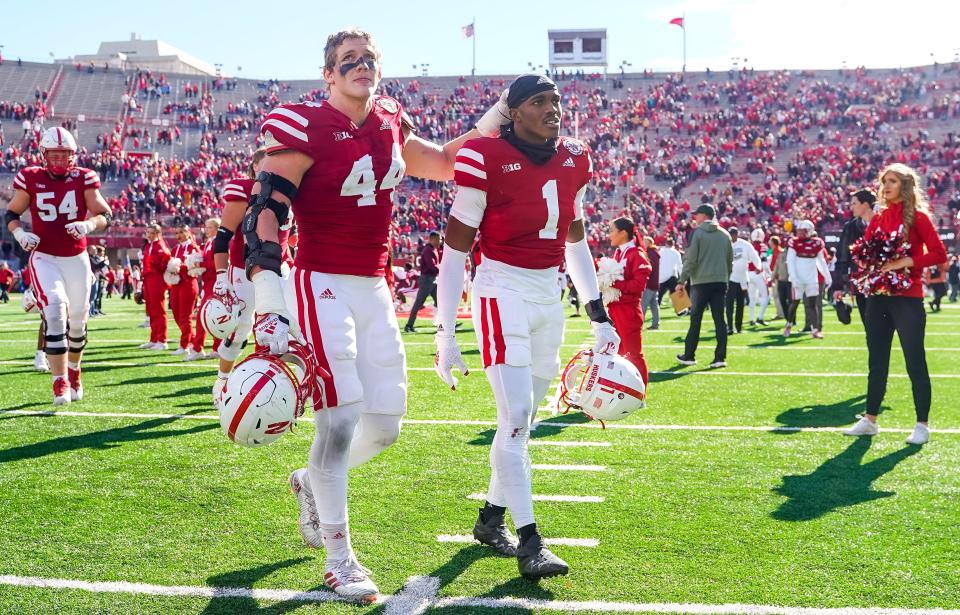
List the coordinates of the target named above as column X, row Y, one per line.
column 567, row 444
column 579, row 499
column 420, row 594
column 567, row 467
column 553, row 542
column 627, row 426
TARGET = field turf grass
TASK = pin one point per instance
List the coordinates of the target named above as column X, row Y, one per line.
column 780, row 514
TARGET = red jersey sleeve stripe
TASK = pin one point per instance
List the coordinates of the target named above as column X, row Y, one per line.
column 230, row 195
column 287, row 128
column 472, row 154
column 466, row 168
column 287, row 113
column 236, row 187
column 18, row 183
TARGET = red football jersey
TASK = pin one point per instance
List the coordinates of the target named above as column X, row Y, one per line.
column 529, row 207
column 344, row 204
column 238, row 189
column 54, row 203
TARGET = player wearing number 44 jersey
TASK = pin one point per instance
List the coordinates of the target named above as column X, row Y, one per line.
column 524, row 193
column 336, row 165
column 59, row 196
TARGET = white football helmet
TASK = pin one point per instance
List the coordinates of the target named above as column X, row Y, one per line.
column 29, row 301
column 806, row 225
column 757, row 234
column 266, row 394
column 58, row 139
column 220, row 314
column 605, row 387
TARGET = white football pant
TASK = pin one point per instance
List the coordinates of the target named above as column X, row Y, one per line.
column 757, row 287
column 61, row 285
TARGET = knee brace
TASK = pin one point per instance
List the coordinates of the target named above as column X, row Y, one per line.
column 55, row 338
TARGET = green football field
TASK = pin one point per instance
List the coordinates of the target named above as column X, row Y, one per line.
column 733, row 487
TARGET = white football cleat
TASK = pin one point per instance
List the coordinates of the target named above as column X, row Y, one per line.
column 193, row 355
column 61, row 391
column 863, row 427
column 920, row 435
column 76, row 387
column 159, row 346
column 146, row 346
column 180, row 351
column 351, row 581
column 40, row 362
column 309, row 522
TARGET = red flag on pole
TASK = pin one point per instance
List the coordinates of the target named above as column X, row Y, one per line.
column 677, row 21
column 467, row 30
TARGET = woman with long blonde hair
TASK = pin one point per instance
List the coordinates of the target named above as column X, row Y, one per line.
column 901, row 204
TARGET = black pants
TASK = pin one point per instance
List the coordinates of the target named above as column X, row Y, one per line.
column 667, row 287
column 906, row 316
column 786, row 302
column 3, row 293
column 861, row 307
column 427, row 288
column 939, row 292
column 736, row 296
column 702, row 295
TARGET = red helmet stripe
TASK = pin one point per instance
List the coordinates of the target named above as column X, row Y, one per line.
column 620, row 387
column 247, row 400
column 59, row 137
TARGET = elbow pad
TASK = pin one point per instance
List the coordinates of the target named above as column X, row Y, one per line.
column 221, row 241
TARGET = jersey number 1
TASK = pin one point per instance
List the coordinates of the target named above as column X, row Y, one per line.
column 362, row 181
column 48, row 211
column 549, row 191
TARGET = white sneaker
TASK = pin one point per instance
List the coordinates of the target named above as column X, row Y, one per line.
column 146, row 346
column 920, row 435
column 209, row 355
column 863, row 427
column 816, row 334
column 144, row 325
column 786, row 331
column 309, row 522
column 193, row 356
column 718, row 364
column 180, row 351
column 351, row 581
column 159, row 346
column 40, row 362
column 61, row 391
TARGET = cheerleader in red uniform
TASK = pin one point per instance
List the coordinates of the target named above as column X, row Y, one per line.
column 626, row 312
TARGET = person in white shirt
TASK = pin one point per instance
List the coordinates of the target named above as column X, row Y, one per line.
column 670, row 263
column 805, row 265
column 758, row 276
column 743, row 254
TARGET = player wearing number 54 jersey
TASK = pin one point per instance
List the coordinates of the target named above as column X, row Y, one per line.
column 524, row 193
column 59, row 196
column 336, row 164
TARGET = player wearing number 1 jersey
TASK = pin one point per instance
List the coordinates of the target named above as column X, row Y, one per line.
column 336, row 164
column 59, row 196
column 523, row 192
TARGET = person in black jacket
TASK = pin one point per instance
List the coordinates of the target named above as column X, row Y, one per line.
column 861, row 206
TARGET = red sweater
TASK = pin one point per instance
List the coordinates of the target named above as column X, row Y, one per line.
column 636, row 272
column 926, row 249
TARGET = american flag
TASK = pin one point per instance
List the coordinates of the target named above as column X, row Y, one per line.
column 467, row 30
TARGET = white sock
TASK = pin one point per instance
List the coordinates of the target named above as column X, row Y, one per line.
column 336, row 539
column 72, row 365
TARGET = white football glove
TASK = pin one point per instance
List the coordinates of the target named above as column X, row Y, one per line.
column 173, row 265
column 275, row 325
column 27, row 241
column 608, row 342
column 222, row 286
column 79, row 229
column 196, row 272
column 496, row 116
column 447, row 357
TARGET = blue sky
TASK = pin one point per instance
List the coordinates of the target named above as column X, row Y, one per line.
column 769, row 33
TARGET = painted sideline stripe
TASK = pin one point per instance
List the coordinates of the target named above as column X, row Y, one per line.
column 567, row 467
column 566, row 444
column 419, row 594
column 632, row 427
column 553, row 542
column 586, row 499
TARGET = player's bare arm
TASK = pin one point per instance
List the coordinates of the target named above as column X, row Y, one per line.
column 97, row 205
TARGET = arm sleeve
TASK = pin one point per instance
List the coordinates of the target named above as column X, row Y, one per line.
column 578, row 203
column 581, row 270
column 935, row 253
column 690, row 259
column 450, row 288
column 469, row 205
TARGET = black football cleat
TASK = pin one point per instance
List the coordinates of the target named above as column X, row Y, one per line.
column 535, row 561
column 494, row 533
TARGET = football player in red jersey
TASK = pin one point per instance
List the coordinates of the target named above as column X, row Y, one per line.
column 59, row 196
column 524, row 193
column 336, row 164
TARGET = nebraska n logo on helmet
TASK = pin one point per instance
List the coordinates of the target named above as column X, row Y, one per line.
column 605, row 387
column 59, row 150
column 220, row 314
column 266, row 394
